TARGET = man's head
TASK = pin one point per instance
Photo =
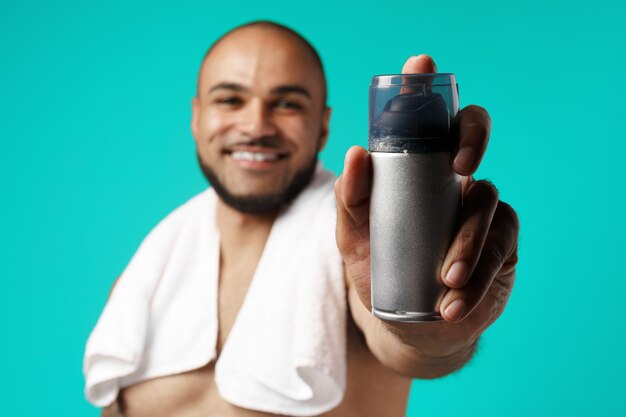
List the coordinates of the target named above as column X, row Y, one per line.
column 260, row 116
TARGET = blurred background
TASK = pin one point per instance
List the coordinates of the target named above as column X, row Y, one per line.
column 95, row 105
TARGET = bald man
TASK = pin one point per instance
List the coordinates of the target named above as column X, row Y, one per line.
column 259, row 121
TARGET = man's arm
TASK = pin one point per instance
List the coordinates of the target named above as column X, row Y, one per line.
column 430, row 349
column 483, row 252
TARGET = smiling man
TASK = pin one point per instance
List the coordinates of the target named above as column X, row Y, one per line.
column 252, row 298
column 260, row 117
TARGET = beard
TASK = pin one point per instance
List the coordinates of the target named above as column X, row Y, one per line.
column 264, row 203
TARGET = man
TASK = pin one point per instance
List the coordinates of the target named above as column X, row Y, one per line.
column 259, row 120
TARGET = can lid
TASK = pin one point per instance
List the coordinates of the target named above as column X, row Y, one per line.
column 413, row 113
column 433, row 79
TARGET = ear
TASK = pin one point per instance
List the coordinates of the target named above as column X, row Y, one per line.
column 195, row 117
column 325, row 127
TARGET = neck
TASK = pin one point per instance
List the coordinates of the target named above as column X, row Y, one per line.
column 235, row 225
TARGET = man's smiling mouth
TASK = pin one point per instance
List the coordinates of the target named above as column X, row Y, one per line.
column 247, row 153
column 255, row 156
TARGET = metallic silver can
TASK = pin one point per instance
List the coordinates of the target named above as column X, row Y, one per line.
column 416, row 195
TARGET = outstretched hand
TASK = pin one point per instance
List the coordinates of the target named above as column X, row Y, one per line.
column 479, row 268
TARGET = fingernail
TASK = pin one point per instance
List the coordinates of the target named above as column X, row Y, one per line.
column 457, row 274
column 465, row 158
column 455, row 310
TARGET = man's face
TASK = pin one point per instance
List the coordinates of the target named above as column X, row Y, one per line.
column 259, row 119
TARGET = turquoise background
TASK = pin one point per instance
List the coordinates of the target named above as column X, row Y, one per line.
column 96, row 149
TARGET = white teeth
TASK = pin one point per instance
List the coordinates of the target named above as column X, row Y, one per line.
column 253, row 156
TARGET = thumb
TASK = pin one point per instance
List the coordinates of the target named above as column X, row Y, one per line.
column 420, row 64
column 353, row 189
column 352, row 195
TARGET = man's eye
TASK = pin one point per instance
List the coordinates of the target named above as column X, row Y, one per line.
column 287, row 104
column 229, row 101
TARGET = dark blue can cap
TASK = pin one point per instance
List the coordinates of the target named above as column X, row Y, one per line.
column 413, row 113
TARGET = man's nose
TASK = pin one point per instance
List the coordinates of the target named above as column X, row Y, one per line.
column 256, row 121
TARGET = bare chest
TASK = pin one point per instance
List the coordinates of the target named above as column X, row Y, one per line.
column 371, row 391
column 194, row 393
column 234, row 282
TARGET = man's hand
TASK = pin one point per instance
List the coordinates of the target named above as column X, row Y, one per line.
column 479, row 268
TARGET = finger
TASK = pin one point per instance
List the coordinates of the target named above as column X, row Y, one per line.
column 352, row 194
column 479, row 206
column 475, row 128
column 355, row 187
column 420, row 64
column 507, row 217
column 498, row 254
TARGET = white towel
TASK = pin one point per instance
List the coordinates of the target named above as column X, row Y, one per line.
column 286, row 351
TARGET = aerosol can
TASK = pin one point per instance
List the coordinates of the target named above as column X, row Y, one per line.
column 416, row 195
